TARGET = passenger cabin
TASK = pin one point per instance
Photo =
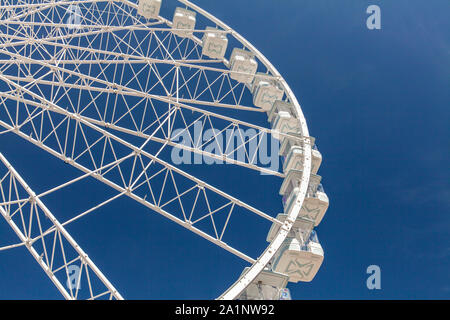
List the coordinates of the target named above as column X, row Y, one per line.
column 283, row 118
column 316, row 201
column 214, row 44
column 315, row 205
column 298, row 259
column 293, row 180
column 243, row 65
column 149, row 9
column 302, row 228
column 278, row 106
column 185, row 20
column 292, row 151
column 266, row 91
column 268, row 285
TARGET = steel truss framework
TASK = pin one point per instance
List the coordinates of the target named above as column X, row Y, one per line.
column 106, row 99
column 47, row 240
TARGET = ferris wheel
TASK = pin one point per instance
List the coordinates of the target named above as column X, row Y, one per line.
column 127, row 97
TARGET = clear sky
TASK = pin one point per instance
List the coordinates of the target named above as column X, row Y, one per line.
column 378, row 103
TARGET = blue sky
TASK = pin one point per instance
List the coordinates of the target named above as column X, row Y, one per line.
column 378, row 104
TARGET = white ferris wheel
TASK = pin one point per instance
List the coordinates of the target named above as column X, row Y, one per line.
column 110, row 87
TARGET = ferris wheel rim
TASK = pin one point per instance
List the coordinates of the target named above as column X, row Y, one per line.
column 236, row 289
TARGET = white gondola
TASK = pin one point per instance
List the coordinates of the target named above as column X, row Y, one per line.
column 185, row 20
column 292, row 181
column 265, row 92
column 214, row 43
column 316, row 201
column 293, row 152
column 278, row 106
column 243, row 65
column 285, row 124
column 315, row 205
column 268, row 285
column 300, row 260
column 149, row 9
column 284, row 120
column 302, row 228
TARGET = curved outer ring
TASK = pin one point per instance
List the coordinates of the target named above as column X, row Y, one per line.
column 239, row 286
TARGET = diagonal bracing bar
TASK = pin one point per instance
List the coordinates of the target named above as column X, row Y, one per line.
column 57, row 252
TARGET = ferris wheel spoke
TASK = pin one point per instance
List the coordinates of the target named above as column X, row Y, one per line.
column 12, row 246
column 92, row 30
column 209, row 94
column 105, row 56
column 234, row 148
column 141, row 93
column 56, row 252
column 26, row 8
column 233, row 92
column 121, row 90
column 110, row 87
column 182, row 178
column 25, row 4
column 144, row 199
